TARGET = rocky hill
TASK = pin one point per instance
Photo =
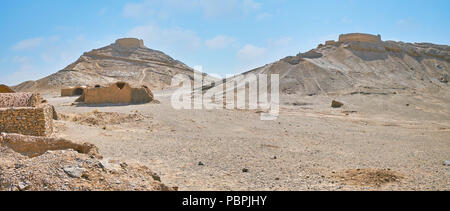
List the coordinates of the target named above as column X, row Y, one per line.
column 363, row 64
column 125, row 60
column 356, row 63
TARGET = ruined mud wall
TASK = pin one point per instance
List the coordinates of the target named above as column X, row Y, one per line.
column 141, row 95
column 112, row 94
column 35, row 121
column 116, row 94
column 68, row 92
column 359, row 37
column 33, row 146
column 19, row 100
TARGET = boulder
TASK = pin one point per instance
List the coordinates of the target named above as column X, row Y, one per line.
column 74, row 172
column 336, row 104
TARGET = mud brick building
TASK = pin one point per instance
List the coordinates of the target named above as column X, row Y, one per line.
column 117, row 93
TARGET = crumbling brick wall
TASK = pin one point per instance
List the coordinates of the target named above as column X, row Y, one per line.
column 111, row 94
column 19, row 100
column 141, row 95
column 34, row 121
column 23, row 113
column 73, row 91
column 118, row 93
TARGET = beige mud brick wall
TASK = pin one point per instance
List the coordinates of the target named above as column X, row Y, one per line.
column 35, row 121
column 359, row 37
column 141, row 95
column 117, row 95
column 112, row 94
column 68, row 92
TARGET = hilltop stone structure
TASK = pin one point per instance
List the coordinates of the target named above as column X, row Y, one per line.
column 130, row 43
column 5, row 89
column 25, row 113
column 116, row 93
column 126, row 59
column 360, row 37
column 354, row 37
column 356, row 63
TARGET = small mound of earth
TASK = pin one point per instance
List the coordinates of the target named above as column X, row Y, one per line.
column 68, row 170
column 102, row 118
column 368, row 177
column 47, row 164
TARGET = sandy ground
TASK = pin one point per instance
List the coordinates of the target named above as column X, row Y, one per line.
column 375, row 142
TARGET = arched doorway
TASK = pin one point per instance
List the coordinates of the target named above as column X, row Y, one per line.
column 78, row 91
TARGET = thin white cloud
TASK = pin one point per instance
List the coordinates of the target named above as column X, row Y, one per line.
column 166, row 38
column 21, row 59
column 103, row 11
column 135, row 10
column 209, row 8
column 346, row 20
column 251, row 56
column 280, row 43
column 250, row 5
column 263, row 16
column 273, row 48
column 220, row 42
column 50, row 55
column 403, row 23
column 251, row 52
column 24, row 73
column 47, row 58
column 28, row 44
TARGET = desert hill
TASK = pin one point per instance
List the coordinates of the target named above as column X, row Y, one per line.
column 364, row 64
column 125, row 60
column 356, row 63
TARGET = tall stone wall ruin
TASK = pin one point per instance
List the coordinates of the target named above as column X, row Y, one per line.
column 23, row 113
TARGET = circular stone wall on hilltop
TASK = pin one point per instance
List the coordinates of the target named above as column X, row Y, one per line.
column 359, row 37
column 130, row 43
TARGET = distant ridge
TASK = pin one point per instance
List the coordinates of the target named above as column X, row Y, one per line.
column 361, row 63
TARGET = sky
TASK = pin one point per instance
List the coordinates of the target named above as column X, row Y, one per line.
column 41, row 37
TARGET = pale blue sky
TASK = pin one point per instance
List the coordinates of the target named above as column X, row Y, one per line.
column 40, row 37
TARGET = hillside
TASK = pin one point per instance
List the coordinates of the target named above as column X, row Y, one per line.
column 125, row 60
column 362, row 63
